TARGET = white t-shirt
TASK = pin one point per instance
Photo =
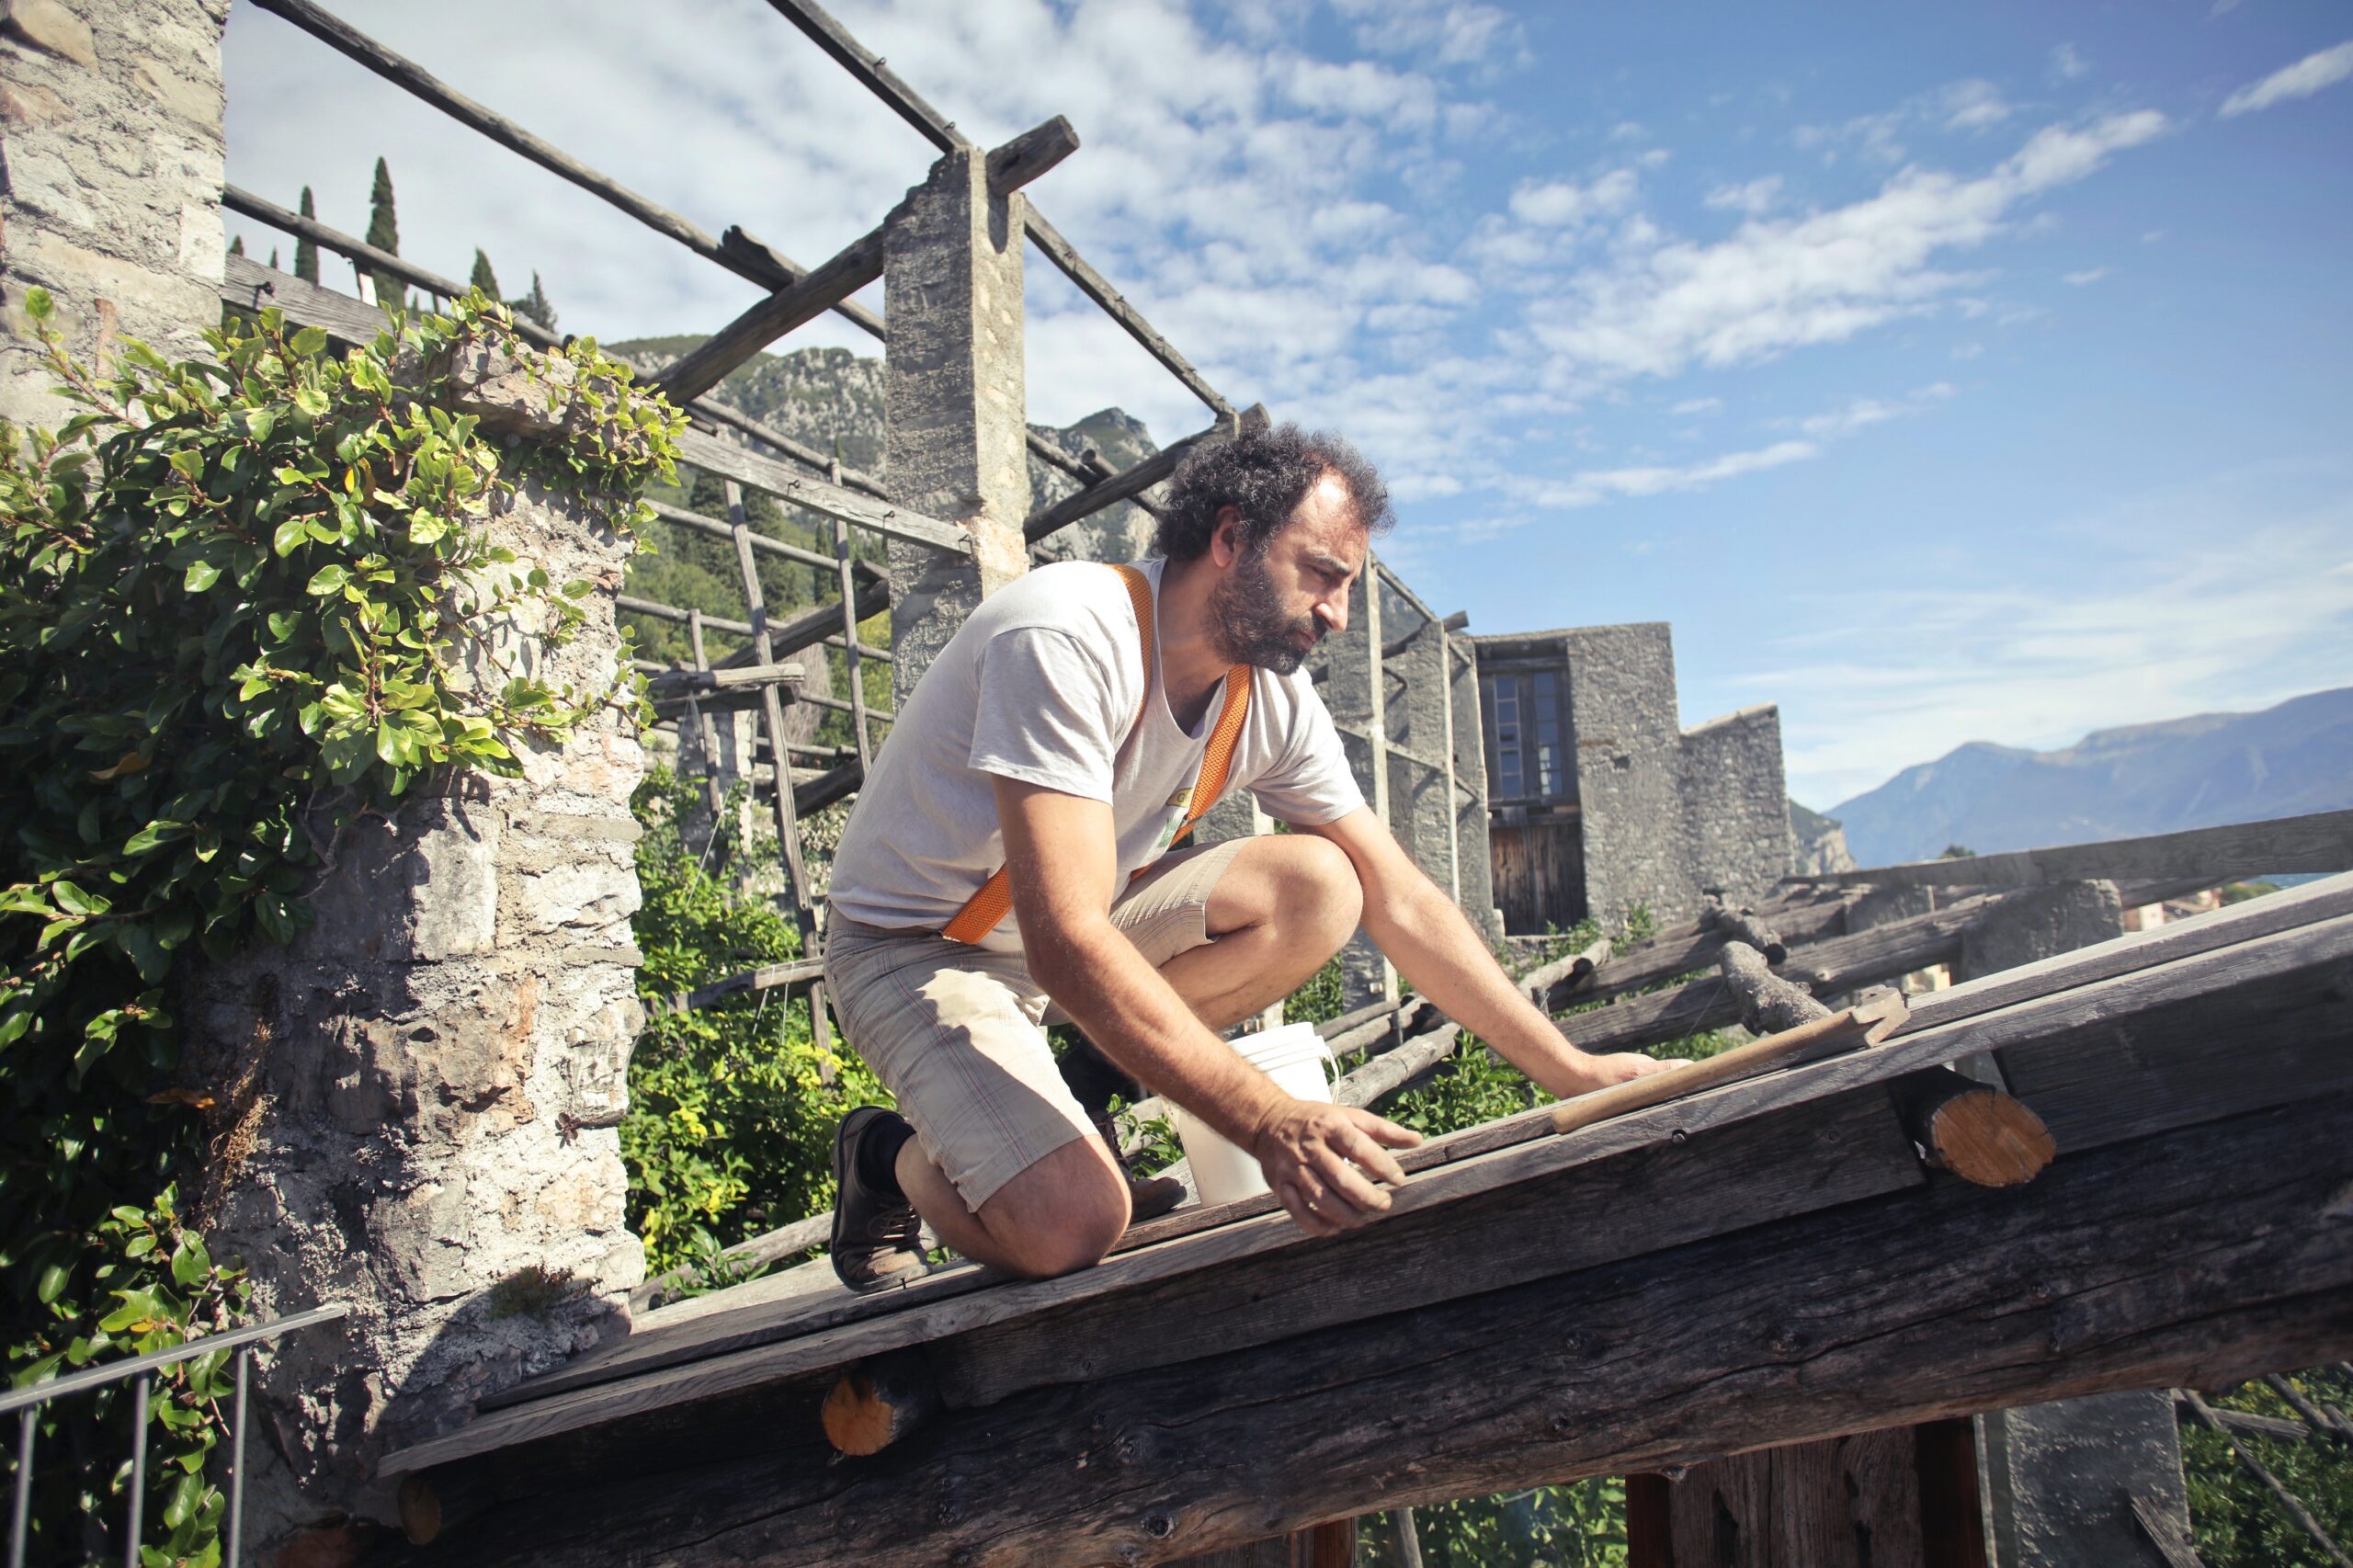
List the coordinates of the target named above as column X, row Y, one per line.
column 1042, row 684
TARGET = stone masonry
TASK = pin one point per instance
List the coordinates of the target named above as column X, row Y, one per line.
column 110, row 134
column 1663, row 815
column 957, row 445
column 421, row 1091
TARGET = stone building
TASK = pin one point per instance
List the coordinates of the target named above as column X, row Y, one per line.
column 1598, row 799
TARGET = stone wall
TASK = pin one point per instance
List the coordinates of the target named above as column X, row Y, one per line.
column 422, row 1089
column 111, row 115
column 1628, row 758
column 1737, row 804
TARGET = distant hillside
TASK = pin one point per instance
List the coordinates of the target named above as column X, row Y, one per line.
column 824, row 395
column 2200, row 771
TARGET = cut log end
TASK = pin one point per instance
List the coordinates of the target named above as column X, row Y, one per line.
column 880, row 1402
column 1979, row 1133
column 420, row 1509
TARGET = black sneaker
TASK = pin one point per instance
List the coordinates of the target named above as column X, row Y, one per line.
column 875, row 1237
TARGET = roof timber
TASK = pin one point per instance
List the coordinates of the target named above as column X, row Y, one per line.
column 2321, row 841
column 2235, row 1012
column 1923, row 1301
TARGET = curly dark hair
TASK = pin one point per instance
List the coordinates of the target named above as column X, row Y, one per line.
column 1264, row 474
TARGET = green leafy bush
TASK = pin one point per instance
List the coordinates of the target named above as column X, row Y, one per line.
column 731, row 1120
column 248, row 600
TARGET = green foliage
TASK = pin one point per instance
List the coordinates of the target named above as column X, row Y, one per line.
column 384, row 234
column 1579, row 1526
column 534, row 306
column 306, row 253
column 484, row 279
column 157, row 1286
column 1319, row 999
column 731, row 1120
column 2239, row 893
column 249, row 601
column 1956, row 852
column 2237, row 1522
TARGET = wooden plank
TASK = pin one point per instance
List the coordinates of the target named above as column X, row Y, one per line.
column 247, row 284
column 1095, row 287
column 2322, row 841
column 1128, row 484
column 758, row 472
column 1850, row 1029
column 761, row 266
column 1931, row 1302
column 247, row 203
column 694, row 522
column 1384, row 1268
column 741, row 1350
column 800, row 452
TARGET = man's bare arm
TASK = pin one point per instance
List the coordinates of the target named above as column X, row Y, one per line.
column 1439, row 954
column 1060, row 857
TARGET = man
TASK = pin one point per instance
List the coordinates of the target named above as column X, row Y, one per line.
column 1061, row 735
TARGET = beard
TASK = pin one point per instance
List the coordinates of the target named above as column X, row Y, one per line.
column 1253, row 626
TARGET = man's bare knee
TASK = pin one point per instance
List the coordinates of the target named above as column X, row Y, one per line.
column 1323, row 899
column 1062, row 1215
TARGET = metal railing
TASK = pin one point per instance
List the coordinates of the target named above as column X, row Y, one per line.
column 25, row 1404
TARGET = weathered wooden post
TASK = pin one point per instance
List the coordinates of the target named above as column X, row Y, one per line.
column 957, row 437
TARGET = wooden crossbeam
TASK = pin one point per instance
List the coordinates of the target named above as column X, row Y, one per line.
column 1097, row 288
column 871, row 72
column 758, row 472
column 757, row 263
column 1128, row 482
column 855, row 266
column 2322, row 841
column 800, row 452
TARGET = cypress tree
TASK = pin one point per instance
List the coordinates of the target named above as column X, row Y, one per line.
column 384, row 232
column 238, row 245
column 273, row 258
column 535, row 305
column 306, row 254
column 485, row 279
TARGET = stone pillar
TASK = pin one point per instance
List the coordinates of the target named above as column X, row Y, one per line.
column 1737, row 803
column 957, row 446
column 111, row 111
column 1628, row 762
column 1344, row 679
column 420, row 1093
column 2059, row 1478
column 1420, row 812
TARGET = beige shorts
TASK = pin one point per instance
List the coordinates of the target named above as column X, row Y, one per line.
column 957, row 1033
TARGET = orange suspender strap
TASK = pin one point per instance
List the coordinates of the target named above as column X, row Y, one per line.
column 985, row 908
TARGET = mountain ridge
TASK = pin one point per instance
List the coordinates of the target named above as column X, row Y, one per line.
column 2200, row 770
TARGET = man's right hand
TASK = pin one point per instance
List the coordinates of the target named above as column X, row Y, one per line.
column 1323, row 1160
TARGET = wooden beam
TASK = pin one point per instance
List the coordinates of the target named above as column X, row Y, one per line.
column 760, row 264
column 251, row 206
column 766, row 473
column 1975, row 1131
column 835, row 280
column 879, row 1401
column 2144, row 1022
column 849, row 269
column 2322, row 841
column 1095, row 287
column 712, row 527
column 1745, row 925
column 1130, row 483
column 871, row 72
column 800, row 452
column 1916, row 1303
column 1768, row 1004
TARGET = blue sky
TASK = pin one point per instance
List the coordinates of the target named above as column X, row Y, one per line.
column 1968, row 374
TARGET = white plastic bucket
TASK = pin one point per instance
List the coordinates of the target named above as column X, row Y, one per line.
column 1296, row 1058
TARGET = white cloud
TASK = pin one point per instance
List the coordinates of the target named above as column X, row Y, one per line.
column 1757, row 196
column 1865, row 412
column 1698, row 405
column 1556, row 204
column 2068, row 64
column 1628, row 130
column 2302, row 80
column 1592, row 486
column 1781, row 284
column 2089, row 275
column 1449, row 31
column 1973, row 106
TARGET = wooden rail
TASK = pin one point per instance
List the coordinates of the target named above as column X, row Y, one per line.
column 744, row 258
column 2322, row 841
column 1128, row 482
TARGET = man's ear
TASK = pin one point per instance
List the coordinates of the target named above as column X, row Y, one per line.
column 1225, row 536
